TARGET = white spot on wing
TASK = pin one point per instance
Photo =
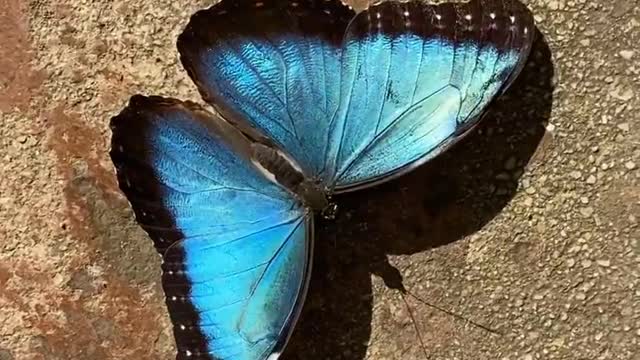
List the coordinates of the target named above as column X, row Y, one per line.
column 492, row 15
column 268, row 174
column 468, row 17
column 290, row 160
column 274, row 356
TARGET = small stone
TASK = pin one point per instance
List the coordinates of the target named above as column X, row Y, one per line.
column 630, row 165
column 530, row 190
column 599, row 336
column 587, row 211
column 584, row 199
column 586, row 263
column 627, row 54
column 624, row 127
column 528, row 202
column 575, row 174
column 622, row 94
column 591, row 179
column 527, row 357
column 604, row 263
column 571, row 263
column 581, row 296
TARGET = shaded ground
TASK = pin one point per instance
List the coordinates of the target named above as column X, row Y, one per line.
column 528, row 227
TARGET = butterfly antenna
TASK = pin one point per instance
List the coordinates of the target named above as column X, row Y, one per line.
column 457, row 316
column 403, row 292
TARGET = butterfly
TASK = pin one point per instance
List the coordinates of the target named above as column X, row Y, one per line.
column 311, row 99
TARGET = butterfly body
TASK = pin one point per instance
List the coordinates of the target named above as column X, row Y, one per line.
column 312, row 100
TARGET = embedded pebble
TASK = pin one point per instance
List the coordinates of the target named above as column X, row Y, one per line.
column 627, row 54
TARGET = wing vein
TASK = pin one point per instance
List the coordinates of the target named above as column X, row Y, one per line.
column 275, row 255
column 386, row 89
column 383, row 133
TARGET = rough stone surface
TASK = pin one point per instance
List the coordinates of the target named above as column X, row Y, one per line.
column 528, row 228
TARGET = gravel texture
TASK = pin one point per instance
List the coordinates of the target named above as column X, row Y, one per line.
column 529, row 227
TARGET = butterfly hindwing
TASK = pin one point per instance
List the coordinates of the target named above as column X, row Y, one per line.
column 235, row 246
column 416, row 76
column 274, row 64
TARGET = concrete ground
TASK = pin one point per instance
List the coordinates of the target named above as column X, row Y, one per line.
column 528, row 228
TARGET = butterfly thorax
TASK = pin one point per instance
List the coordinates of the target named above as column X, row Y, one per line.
column 282, row 170
column 315, row 197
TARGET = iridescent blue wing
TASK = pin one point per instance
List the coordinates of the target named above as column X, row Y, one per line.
column 272, row 64
column 415, row 77
column 236, row 247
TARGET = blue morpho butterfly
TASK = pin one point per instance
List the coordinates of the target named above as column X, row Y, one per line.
column 314, row 100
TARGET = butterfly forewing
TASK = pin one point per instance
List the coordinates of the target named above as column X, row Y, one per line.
column 274, row 65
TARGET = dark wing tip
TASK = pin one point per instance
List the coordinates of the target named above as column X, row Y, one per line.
column 140, row 107
column 259, row 18
column 506, row 24
column 238, row 16
column 138, row 104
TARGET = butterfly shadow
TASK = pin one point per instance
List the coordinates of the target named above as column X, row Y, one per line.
column 439, row 203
